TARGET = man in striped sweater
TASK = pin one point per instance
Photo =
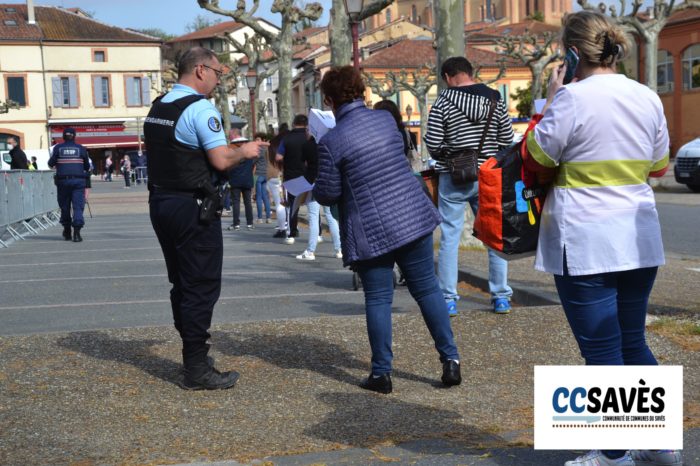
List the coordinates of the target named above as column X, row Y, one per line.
column 457, row 121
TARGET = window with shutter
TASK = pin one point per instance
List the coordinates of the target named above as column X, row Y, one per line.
column 101, row 91
column 56, row 92
column 133, row 91
column 145, row 91
column 16, row 89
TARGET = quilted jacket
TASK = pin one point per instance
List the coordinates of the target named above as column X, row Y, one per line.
column 362, row 168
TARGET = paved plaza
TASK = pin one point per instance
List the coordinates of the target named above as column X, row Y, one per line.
column 89, row 358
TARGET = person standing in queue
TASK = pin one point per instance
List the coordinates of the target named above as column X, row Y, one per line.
column 72, row 169
column 187, row 151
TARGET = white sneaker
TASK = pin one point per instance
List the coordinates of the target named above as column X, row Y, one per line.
column 306, row 256
column 597, row 458
column 657, row 457
column 320, row 239
column 338, row 254
column 289, row 240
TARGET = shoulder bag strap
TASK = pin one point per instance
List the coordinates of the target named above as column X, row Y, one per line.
column 492, row 108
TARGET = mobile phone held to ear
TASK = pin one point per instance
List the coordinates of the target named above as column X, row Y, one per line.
column 571, row 60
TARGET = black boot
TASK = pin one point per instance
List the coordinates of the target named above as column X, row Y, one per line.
column 66, row 233
column 380, row 384
column 200, row 375
column 451, row 374
column 76, row 235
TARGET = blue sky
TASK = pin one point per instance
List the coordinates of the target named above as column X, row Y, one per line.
column 169, row 15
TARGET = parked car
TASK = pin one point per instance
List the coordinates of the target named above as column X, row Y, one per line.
column 687, row 168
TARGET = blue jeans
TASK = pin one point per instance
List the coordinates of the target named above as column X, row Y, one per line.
column 314, row 212
column 377, row 275
column 71, row 194
column 607, row 313
column 262, row 196
column 452, row 200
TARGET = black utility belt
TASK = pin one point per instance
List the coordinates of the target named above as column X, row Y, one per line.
column 176, row 192
column 70, row 177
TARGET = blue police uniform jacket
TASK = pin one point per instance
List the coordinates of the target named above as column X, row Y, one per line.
column 71, row 161
column 362, row 167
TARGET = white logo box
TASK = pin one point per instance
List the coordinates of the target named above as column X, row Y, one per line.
column 608, row 430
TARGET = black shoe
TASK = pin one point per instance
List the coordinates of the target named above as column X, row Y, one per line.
column 280, row 234
column 451, row 375
column 76, row 235
column 205, row 377
column 381, row 384
column 67, row 234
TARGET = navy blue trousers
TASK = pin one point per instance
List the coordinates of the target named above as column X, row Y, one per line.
column 193, row 255
column 416, row 262
column 71, row 193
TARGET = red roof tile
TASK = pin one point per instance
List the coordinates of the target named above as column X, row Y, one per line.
column 299, row 52
column 211, row 31
column 58, row 24
column 492, row 31
column 416, row 53
column 308, row 32
column 683, row 16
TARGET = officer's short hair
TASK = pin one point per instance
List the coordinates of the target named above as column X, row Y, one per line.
column 193, row 57
column 300, row 120
column 13, row 138
column 455, row 65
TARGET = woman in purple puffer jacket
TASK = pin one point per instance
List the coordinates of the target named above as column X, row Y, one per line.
column 385, row 219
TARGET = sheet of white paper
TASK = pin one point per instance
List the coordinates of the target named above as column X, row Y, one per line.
column 320, row 121
column 297, row 186
column 539, row 105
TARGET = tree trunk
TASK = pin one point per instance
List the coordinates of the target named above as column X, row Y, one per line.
column 284, row 59
column 449, row 32
column 536, row 89
column 651, row 47
column 222, row 105
column 423, row 109
column 339, row 35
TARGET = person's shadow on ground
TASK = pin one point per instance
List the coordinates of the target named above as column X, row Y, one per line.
column 367, row 420
column 137, row 353
column 302, row 352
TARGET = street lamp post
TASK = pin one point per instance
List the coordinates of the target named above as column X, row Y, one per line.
column 354, row 8
column 251, row 78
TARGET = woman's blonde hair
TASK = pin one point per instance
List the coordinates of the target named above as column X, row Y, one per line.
column 598, row 40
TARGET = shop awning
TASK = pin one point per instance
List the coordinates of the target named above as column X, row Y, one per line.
column 99, row 134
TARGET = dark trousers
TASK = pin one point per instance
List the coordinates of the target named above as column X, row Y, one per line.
column 293, row 217
column 193, row 255
column 236, row 205
column 607, row 314
column 71, row 193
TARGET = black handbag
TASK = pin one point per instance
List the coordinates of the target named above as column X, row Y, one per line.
column 464, row 165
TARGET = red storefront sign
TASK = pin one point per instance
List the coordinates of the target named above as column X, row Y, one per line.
column 98, row 134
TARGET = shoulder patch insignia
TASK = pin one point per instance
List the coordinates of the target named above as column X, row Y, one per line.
column 214, row 124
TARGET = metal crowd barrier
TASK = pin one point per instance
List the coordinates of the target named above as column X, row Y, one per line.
column 27, row 203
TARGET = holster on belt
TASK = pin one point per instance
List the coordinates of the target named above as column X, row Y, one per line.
column 211, row 204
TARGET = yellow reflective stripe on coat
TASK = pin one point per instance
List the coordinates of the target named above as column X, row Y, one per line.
column 660, row 165
column 602, row 173
column 537, row 153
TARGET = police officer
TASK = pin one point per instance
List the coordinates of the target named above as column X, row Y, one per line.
column 186, row 151
column 72, row 167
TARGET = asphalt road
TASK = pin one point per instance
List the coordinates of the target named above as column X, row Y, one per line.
column 680, row 227
column 117, row 278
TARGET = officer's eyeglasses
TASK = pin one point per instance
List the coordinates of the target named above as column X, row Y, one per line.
column 218, row 72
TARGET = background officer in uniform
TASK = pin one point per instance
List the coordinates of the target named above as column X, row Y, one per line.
column 187, row 149
column 72, row 168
